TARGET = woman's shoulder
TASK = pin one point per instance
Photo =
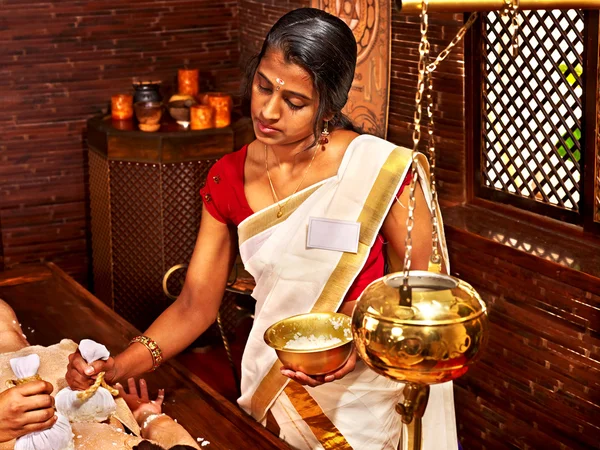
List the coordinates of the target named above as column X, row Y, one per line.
column 349, row 138
column 371, row 138
column 223, row 191
column 371, row 144
column 232, row 160
column 346, row 136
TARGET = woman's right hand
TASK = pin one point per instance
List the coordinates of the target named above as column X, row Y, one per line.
column 26, row 408
column 81, row 375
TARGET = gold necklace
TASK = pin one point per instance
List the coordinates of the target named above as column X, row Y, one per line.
column 279, row 205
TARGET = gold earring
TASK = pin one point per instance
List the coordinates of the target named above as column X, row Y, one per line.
column 324, row 139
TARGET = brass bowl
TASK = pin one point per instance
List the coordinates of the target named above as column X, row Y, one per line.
column 312, row 361
column 432, row 341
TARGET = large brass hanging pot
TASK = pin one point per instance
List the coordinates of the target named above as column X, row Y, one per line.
column 420, row 329
column 432, row 340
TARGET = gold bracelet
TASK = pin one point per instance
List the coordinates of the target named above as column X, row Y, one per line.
column 153, row 348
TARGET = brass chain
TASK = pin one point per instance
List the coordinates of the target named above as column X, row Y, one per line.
column 511, row 9
column 425, row 85
column 461, row 33
column 435, row 254
column 423, row 59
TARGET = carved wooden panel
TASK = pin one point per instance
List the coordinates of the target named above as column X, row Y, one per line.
column 145, row 219
column 370, row 22
column 182, row 208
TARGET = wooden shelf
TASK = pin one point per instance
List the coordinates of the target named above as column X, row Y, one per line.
column 123, row 141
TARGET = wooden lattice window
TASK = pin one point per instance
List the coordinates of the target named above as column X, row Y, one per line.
column 535, row 114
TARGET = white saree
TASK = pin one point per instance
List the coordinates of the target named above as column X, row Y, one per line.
column 358, row 410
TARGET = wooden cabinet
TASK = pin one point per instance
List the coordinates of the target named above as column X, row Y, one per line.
column 145, row 206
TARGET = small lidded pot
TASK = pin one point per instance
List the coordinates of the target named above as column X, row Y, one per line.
column 146, row 91
column 179, row 108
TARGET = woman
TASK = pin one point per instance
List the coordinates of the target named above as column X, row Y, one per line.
column 306, row 163
column 29, row 407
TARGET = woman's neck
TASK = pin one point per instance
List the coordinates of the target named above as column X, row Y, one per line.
column 290, row 154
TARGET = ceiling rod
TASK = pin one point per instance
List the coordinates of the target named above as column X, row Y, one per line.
column 460, row 6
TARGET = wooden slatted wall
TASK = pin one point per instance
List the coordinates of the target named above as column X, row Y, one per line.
column 60, row 62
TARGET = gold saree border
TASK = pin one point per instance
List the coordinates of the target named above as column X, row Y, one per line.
column 371, row 217
column 269, row 388
column 267, row 218
column 324, row 429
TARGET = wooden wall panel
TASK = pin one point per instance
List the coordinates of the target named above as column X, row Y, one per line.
column 537, row 384
column 257, row 17
column 60, row 62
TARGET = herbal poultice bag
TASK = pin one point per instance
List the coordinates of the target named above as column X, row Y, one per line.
column 95, row 404
column 59, row 436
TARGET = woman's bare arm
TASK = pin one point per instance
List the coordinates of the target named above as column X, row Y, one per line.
column 196, row 307
column 394, row 229
column 181, row 323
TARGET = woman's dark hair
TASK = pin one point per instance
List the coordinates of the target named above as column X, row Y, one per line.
column 325, row 47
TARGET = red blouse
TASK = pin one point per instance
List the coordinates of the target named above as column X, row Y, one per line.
column 224, row 198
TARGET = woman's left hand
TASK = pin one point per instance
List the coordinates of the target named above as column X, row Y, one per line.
column 314, row 381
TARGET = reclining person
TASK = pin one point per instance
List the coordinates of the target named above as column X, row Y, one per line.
column 29, row 407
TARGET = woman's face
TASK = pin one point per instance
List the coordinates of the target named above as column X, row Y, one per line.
column 284, row 101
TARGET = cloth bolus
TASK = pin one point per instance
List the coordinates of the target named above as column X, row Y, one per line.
column 60, row 435
column 97, row 408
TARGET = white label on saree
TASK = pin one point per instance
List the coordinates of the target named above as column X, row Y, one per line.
column 330, row 234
